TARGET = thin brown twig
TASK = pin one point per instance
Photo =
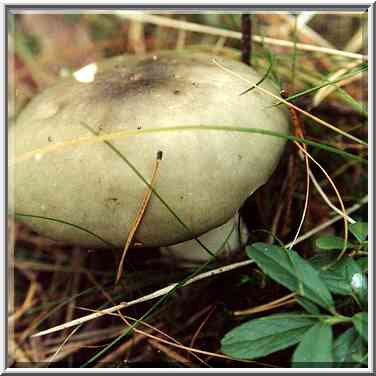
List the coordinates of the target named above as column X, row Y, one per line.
column 116, row 353
column 291, row 186
column 66, row 339
column 170, row 353
column 140, row 214
column 28, row 302
column 75, row 283
column 246, row 39
column 287, row 299
column 201, row 326
column 298, row 131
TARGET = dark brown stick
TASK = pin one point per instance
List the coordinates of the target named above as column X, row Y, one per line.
column 246, row 39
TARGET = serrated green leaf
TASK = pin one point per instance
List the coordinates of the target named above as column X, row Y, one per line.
column 292, row 271
column 360, row 321
column 328, row 242
column 263, row 336
column 359, row 230
column 316, row 347
column 347, row 346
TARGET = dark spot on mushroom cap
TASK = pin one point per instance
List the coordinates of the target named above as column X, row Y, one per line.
column 148, row 74
column 121, row 83
column 176, row 92
column 49, row 139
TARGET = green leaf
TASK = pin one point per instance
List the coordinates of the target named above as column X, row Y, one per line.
column 329, row 242
column 263, row 336
column 292, row 271
column 360, row 321
column 363, row 263
column 323, row 259
column 308, row 305
column 315, row 348
column 359, row 230
column 347, row 348
column 345, row 277
column 360, row 358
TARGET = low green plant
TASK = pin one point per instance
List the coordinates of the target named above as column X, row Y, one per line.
column 331, row 291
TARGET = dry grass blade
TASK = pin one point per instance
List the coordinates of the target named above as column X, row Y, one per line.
column 17, row 353
column 327, row 90
column 170, row 353
column 306, row 200
column 198, row 351
column 344, row 215
column 299, row 132
column 326, row 198
column 28, row 302
column 287, row 299
column 193, row 340
column 358, row 40
column 303, row 29
column 81, row 341
column 191, row 26
column 118, row 352
column 139, row 215
column 290, row 105
column 328, row 223
column 52, row 358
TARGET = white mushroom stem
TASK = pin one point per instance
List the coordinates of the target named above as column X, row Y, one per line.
column 220, row 241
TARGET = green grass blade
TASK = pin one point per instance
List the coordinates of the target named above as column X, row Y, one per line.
column 327, row 83
column 68, row 224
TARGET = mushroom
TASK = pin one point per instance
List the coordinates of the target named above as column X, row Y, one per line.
column 205, row 175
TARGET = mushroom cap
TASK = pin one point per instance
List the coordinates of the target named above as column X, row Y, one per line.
column 204, row 176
